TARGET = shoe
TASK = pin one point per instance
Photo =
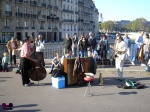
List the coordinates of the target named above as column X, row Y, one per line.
column 120, row 79
column 143, row 64
column 132, row 63
column 147, row 69
column 31, row 83
column 26, row 85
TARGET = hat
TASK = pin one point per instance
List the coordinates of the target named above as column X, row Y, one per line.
column 129, row 83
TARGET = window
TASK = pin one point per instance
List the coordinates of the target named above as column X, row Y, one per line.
column 49, row 25
column 18, row 23
column 49, row 2
column 17, row 9
column 64, row 6
column 25, row 10
column 55, row 3
column 7, row 7
column 42, row 25
column 33, row 24
column 26, row 23
column 6, row 23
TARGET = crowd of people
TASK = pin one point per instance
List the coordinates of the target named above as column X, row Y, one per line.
column 85, row 46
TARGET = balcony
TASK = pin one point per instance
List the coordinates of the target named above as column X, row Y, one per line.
column 7, row 27
column 33, row 3
column 18, row 14
column 49, row 6
column 68, row 20
column 32, row 27
column 26, row 28
column 53, row 17
column 26, row 2
column 80, row 20
column 81, row 3
column 66, row 10
column 26, row 15
column 55, row 7
column 41, row 27
column 8, row 13
column 76, row 12
column 19, row 1
column 43, row 4
column 33, row 16
column 19, row 28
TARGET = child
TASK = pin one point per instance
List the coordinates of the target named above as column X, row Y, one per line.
column 5, row 62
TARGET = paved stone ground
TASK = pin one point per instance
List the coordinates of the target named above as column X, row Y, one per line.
column 45, row 98
column 106, row 98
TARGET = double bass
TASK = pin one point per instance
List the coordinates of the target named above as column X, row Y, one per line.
column 37, row 71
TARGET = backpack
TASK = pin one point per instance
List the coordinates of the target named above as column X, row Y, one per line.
column 57, row 73
column 129, row 84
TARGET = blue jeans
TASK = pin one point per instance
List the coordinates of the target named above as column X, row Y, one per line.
column 74, row 50
column 5, row 66
column 52, row 67
column 135, row 55
column 83, row 53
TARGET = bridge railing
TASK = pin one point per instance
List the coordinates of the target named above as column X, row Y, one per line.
column 52, row 48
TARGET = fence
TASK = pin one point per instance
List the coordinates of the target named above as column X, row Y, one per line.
column 52, row 48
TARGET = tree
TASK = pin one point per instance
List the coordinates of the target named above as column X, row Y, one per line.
column 108, row 26
column 138, row 24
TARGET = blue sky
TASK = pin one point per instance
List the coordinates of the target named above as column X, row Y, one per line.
column 123, row 9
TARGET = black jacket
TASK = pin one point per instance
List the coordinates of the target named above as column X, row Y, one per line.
column 67, row 43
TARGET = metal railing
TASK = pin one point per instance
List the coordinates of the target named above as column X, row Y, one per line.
column 56, row 47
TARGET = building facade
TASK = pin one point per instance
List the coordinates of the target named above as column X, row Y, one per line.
column 50, row 18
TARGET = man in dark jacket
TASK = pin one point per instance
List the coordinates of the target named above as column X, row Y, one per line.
column 67, row 43
column 92, row 42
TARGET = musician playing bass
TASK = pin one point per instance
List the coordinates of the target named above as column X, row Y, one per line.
column 25, row 61
column 120, row 49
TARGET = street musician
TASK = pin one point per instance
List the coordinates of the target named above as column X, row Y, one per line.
column 120, row 52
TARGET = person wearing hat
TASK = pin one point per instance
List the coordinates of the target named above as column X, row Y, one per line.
column 40, row 47
column 12, row 46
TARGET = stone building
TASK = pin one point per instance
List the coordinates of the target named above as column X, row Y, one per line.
column 50, row 18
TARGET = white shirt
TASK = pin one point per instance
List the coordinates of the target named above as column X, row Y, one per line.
column 40, row 46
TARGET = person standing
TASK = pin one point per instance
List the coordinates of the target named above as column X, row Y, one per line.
column 104, row 47
column 147, row 51
column 25, row 61
column 128, row 44
column 120, row 49
column 12, row 46
column 74, row 45
column 40, row 47
column 83, row 46
column 140, row 43
column 146, row 46
column 92, row 42
column 67, row 43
